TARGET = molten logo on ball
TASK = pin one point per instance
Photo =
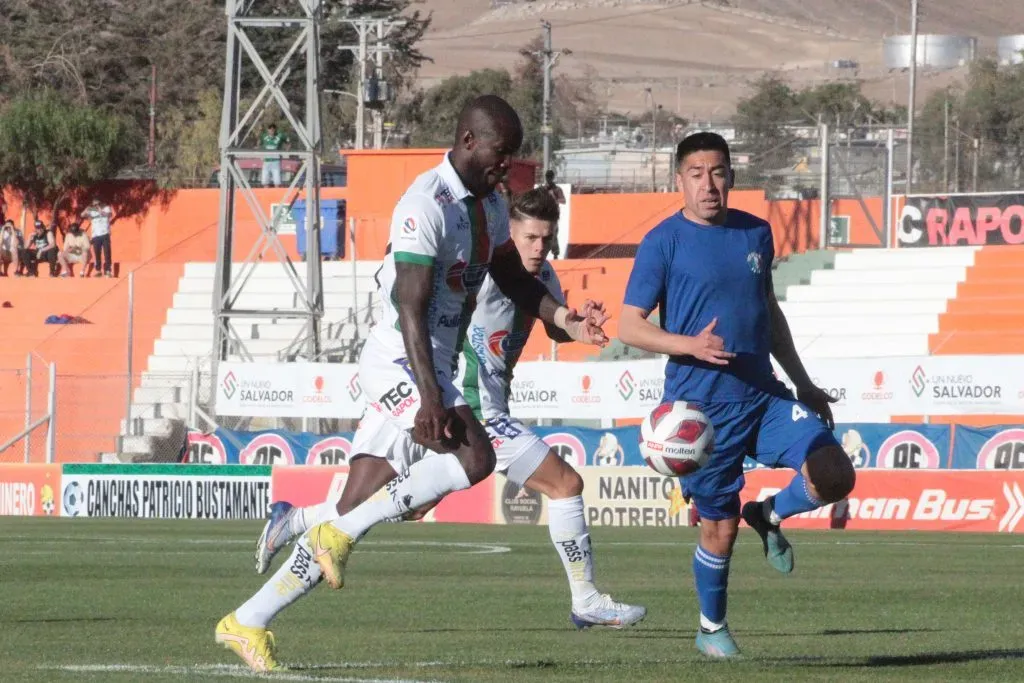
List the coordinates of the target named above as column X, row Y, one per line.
column 676, row 438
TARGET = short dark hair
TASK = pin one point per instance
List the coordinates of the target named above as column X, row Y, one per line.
column 702, row 142
column 536, row 203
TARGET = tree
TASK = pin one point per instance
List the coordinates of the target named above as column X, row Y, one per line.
column 432, row 115
column 50, row 147
column 100, row 53
column 985, row 130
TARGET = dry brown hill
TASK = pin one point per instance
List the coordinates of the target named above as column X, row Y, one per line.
column 699, row 57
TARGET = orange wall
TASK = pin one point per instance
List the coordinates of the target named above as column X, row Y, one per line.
column 91, row 359
column 601, row 219
column 182, row 225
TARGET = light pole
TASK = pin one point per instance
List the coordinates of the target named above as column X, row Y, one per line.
column 654, row 139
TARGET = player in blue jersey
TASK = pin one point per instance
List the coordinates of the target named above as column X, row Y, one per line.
column 707, row 268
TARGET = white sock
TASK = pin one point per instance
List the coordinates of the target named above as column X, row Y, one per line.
column 569, row 533
column 768, row 509
column 293, row 579
column 428, row 480
column 709, row 625
column 308, row 517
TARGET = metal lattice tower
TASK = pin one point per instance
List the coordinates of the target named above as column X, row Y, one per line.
column 237, row 144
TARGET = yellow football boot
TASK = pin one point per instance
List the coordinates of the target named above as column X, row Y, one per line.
column 253, row 644
column 331, row 548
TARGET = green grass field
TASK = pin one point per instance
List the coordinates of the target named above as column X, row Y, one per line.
column 113, row 600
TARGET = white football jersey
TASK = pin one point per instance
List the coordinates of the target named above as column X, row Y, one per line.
column 438, row 223
column 498, row 331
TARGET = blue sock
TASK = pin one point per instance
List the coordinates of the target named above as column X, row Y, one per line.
column 711, row 575
column 792, row 500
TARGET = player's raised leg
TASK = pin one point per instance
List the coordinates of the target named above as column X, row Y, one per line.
column 377, row 445
column 425, row 482
column 526, row 460
column 792, row 436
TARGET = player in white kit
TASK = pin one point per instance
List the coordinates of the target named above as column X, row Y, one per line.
column 447, row 232
column 497, row 333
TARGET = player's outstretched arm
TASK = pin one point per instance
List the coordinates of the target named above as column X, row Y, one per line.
column 530, row 295
column 594, row 311
column 637, row 331
column 785, row 352
column 413, row 285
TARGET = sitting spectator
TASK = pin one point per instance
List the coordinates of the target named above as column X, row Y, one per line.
column 41, row 247
column 12, row 243
column 99, row 225
column 76, row 250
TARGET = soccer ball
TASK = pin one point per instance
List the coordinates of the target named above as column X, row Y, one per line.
column 676, row 438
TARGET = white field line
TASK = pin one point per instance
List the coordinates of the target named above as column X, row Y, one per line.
column 220, row 670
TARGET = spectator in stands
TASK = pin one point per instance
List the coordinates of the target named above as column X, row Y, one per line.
column 554, row 190
column 76, row 250
column 12, row 243
column 41, row 248
column 271, row 140
column 99, row 215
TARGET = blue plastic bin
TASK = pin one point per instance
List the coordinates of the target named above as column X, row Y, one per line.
column 332, row 219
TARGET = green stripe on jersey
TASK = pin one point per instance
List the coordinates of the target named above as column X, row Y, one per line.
column 409, row 257
column 471, row 382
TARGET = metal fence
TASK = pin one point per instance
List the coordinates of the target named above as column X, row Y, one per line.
column 27, row 413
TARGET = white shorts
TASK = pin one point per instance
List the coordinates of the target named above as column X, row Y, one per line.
column 392, row 401
column 519, row 451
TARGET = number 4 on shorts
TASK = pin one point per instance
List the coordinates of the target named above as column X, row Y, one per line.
column 798, row 412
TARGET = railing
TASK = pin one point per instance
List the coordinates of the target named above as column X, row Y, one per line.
column 48, row 418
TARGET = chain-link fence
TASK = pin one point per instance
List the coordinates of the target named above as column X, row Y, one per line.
column 25, row 402
column 614, row 155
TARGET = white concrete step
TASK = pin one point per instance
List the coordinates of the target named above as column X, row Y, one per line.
column 184, row 347
column 331, row 286
column 175, row 364
column 159, row 395
column 884, row 307
column 281, row 329
column 807, row 325
column 874, row 259
column 892, row 276
column 173, row 411
column 843, row 293
column 157, row 427
column 271, row 268
column 366, row 313
column 163, row 380
column 862, row 346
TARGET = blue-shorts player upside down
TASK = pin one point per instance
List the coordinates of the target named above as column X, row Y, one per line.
column 707, row 269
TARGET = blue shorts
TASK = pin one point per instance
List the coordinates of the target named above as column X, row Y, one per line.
column 774, row 430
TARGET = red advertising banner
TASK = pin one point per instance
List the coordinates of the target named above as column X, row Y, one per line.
column 30, row 490
column 913, row 500
column 303, row 485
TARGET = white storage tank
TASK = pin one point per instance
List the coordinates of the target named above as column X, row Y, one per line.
column 1009, row 49
column 938, row 51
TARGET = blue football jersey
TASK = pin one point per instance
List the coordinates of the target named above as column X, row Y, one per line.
column 694, row 273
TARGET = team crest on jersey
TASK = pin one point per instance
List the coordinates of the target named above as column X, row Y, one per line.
column 503, row 342
column 445, row 196
column 466, row 278
column 754, row 261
